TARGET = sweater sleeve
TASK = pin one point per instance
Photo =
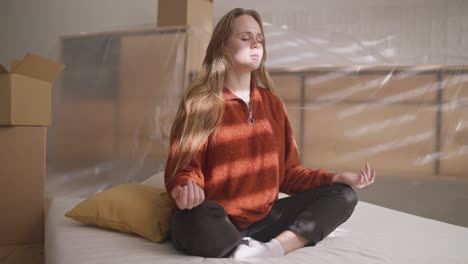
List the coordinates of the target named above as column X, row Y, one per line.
column 192, row 171
column 296, row 178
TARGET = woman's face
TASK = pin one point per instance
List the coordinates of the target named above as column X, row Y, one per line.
column 245, row 44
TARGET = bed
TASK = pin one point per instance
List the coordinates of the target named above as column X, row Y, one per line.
column 373, row 234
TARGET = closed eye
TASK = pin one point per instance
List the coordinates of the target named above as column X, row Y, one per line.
column 259, row 38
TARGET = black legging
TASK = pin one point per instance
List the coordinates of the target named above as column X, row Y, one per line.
column 206, row 230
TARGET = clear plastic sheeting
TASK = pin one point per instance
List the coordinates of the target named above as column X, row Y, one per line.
column 113, row 108
column 406, row 121
column 115, row 103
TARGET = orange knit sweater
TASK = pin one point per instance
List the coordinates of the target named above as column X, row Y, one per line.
column 242, row 166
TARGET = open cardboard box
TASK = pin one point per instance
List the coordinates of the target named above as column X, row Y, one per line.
column 26, row 91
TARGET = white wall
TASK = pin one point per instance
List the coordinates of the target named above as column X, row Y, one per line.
column 364, row 32
column 35, row 25
column 303, row 32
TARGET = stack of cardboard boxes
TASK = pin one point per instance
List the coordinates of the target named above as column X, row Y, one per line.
column 25, row 114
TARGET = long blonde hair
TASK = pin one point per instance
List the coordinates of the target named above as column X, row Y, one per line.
column 201, row 109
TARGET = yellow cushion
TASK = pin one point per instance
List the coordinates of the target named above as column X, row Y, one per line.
column 130, row 208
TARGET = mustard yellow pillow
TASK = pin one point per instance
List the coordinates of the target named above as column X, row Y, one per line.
column 129, row 208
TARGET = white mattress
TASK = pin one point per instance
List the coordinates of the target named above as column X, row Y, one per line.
column 373, row 234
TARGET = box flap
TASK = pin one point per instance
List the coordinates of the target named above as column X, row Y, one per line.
column 38, row 67
column 3, row 69
column 14, row 63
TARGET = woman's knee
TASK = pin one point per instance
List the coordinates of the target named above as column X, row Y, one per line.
column 348, row 196
column 204, row 230
column 338, row 194
column 198, row 215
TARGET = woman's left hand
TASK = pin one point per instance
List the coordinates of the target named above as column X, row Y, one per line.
column 364, row 178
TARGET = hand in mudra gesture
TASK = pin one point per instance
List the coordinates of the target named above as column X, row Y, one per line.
column 364, row 178
column 188, row 196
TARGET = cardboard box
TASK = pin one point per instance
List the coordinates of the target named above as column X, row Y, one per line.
column 22, row 173
column 26, row 91
column 198, row 15
column 194, row 13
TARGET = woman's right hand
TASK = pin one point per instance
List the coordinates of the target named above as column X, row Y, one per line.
column 188, row 196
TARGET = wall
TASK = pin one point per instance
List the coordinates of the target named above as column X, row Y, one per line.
column 35, row 26
column 362, row 32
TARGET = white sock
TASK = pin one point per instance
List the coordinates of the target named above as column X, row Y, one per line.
column 257, row 249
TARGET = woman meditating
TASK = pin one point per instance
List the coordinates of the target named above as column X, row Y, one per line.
column 232, row 151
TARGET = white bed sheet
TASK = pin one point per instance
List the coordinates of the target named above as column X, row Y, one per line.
column 373, row 234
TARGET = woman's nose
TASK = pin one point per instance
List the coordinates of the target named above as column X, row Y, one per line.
column 255, row 43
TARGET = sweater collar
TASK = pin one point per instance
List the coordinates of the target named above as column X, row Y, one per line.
column 229, row 95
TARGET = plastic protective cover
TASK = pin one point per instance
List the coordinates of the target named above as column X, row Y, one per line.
column 115, row 102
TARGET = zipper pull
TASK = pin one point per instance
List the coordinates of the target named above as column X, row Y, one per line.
column 250, row 120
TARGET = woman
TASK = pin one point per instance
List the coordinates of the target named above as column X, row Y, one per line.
column 232, row 151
